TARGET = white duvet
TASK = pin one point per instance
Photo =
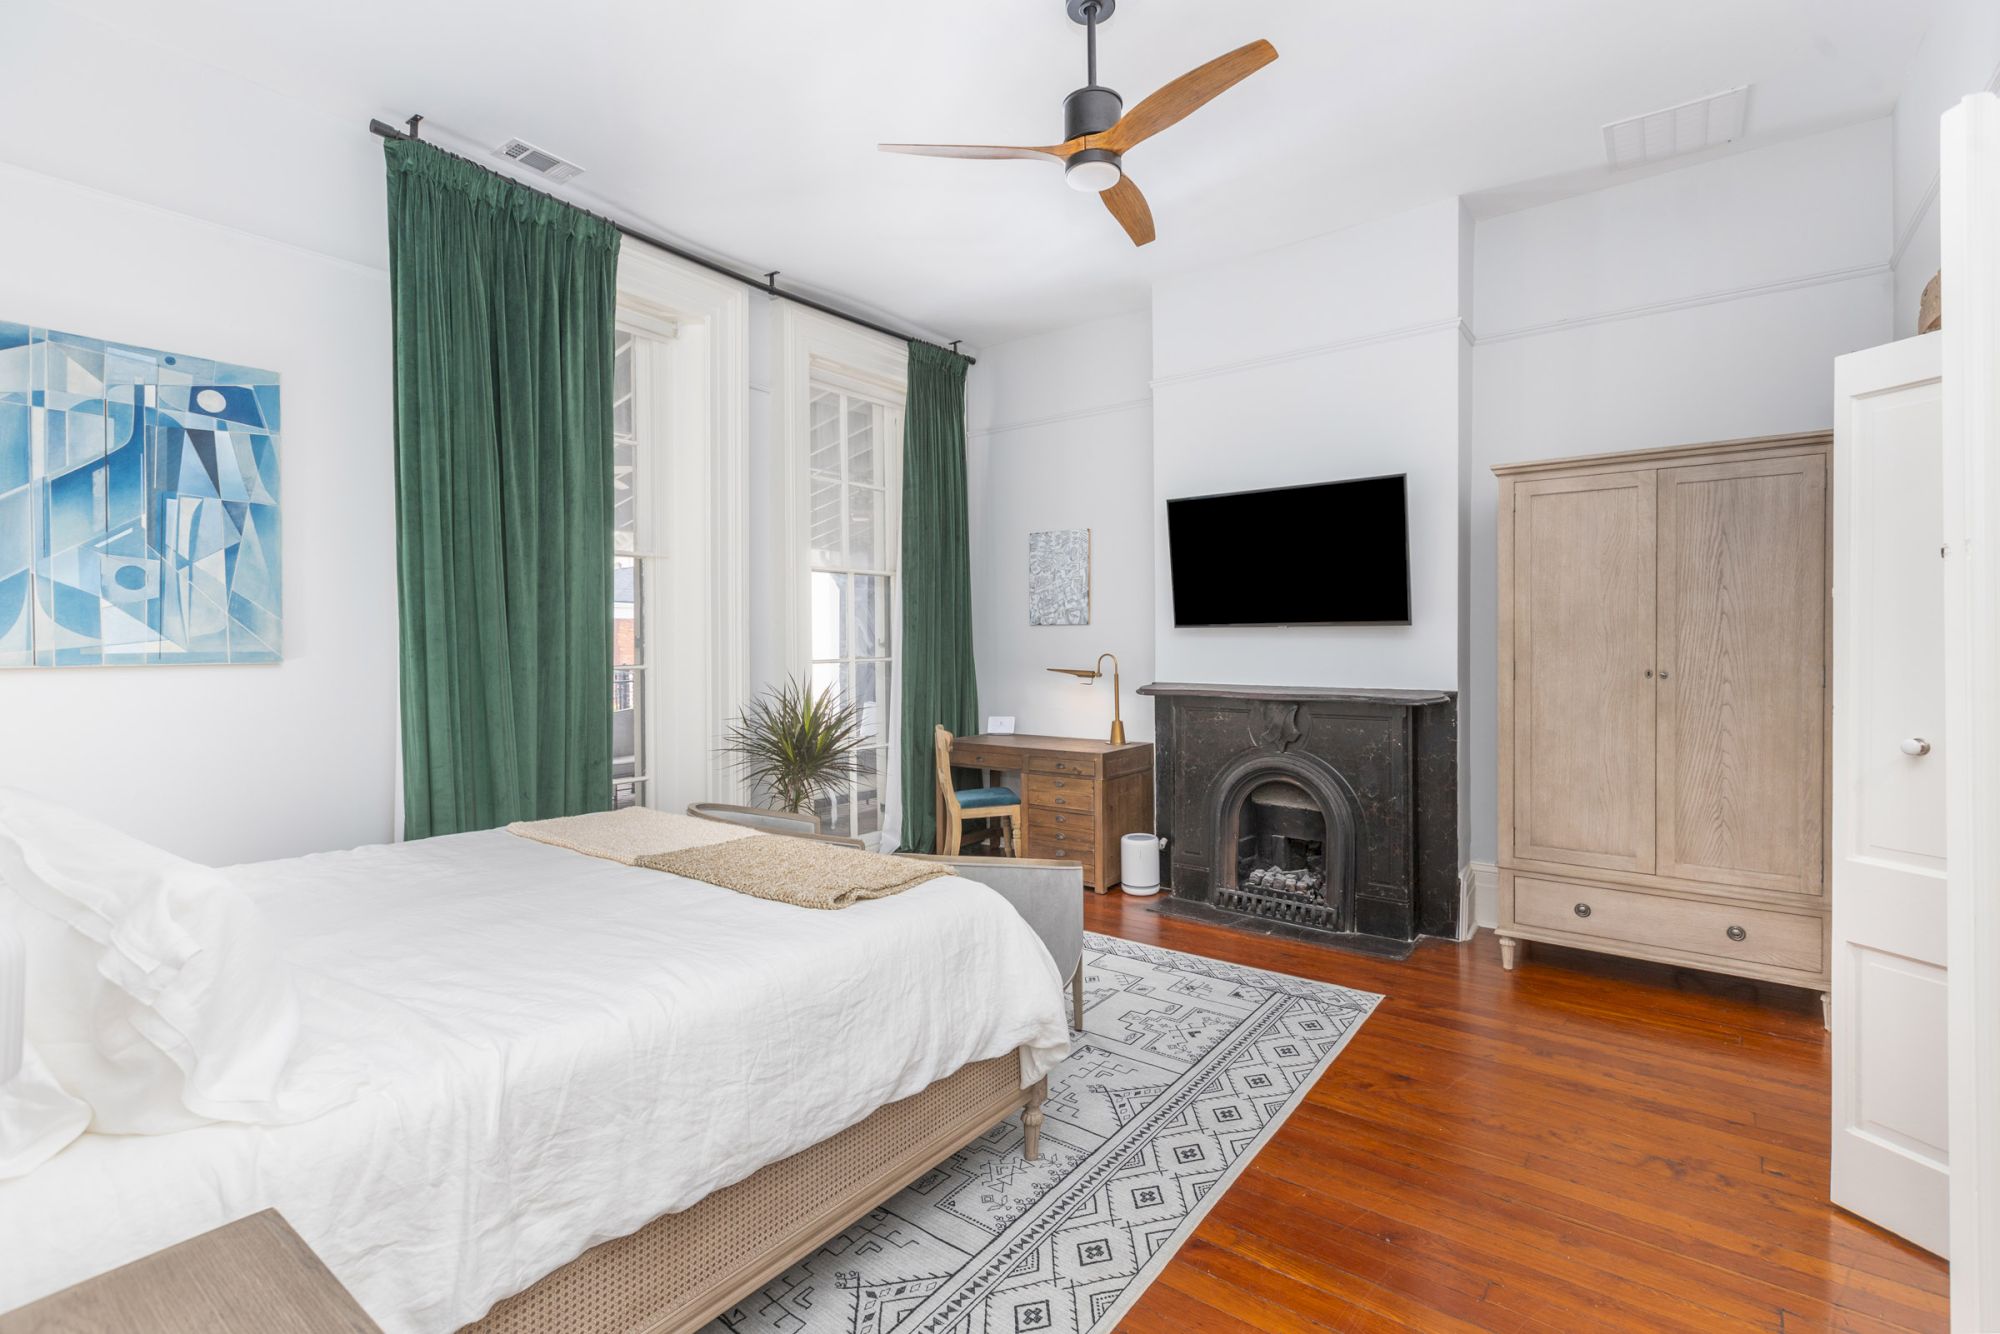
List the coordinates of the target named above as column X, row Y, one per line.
column 555, row 1050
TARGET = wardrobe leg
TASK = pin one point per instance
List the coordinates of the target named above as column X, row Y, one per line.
column 1509, row 948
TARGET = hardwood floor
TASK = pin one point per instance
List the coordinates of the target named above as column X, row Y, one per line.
column 1585, row 1144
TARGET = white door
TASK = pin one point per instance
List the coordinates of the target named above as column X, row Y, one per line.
column 1889, row 995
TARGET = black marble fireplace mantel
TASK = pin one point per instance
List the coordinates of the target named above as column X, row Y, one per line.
column 1381, row 766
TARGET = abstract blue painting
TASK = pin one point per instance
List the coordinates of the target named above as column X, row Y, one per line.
column 138, row 505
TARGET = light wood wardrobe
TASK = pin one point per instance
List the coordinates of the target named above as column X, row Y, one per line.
column 1663, row 706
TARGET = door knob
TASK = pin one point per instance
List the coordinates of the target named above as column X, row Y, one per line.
column 1916, row 745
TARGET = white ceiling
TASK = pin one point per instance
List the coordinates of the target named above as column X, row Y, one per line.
column 748, row 127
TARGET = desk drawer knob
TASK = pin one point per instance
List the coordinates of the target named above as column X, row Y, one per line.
column 1583, row 910
column 1738, row 933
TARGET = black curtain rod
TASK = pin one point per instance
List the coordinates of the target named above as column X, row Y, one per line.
column 768, row 285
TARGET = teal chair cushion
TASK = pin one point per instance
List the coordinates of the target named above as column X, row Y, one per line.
column 987, row 796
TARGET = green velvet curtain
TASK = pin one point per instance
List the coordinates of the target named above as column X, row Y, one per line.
column 504, row 304
column 938, row 681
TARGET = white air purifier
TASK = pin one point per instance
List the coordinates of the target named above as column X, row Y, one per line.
column 1139, row 864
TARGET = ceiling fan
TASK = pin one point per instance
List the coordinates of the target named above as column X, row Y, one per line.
column 1097, row 133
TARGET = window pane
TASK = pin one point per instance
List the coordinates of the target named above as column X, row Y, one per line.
column 622, row 415
column 864, row 530
column 829, row 615
column 871, row 616
column 826, row 676
column 627, row 794
column 873, row 769
column 627, row 644
column 626, row 736
column 624, row 495
column 872, row 698
column 861, row 419
column 826, row 521
column 823, row 425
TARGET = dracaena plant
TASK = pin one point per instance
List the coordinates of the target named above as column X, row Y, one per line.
column 794, row 743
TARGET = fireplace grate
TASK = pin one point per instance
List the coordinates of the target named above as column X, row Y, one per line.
column 1299, row 912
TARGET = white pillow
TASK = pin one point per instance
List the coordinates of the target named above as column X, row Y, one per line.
column 155, row 993
column 37, row 1118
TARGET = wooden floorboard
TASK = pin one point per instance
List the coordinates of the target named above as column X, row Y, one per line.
column 1585, row 1143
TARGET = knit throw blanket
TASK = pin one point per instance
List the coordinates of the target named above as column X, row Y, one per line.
column 627, row 835
column 798, row 871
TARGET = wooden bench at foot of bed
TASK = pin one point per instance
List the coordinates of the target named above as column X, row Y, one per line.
column 682, row 1270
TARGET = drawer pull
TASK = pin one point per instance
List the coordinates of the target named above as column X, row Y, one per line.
column 1737, row 933
column 1057, row 782
column 1583, row 910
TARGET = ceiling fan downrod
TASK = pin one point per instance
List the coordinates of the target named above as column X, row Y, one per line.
column 1091, row 109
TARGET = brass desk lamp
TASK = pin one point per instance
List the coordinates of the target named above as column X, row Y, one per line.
column 1089, row 674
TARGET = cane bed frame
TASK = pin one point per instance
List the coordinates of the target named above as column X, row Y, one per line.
column 683, row 1269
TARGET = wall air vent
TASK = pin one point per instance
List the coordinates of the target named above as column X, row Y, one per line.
column 1687, row 128
column 545, row 164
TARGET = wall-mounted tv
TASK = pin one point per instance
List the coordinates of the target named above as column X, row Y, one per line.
column 1333, row 553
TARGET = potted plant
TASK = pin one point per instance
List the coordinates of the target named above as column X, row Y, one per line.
column 793, row 743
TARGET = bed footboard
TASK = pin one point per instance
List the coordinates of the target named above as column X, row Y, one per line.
column 682, row 1270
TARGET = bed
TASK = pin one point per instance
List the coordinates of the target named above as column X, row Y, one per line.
column 602, row 1097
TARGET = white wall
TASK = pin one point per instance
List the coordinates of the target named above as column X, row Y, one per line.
column 229, row 763
column 195, row 210
column 1702, row 304
column 1960, row 55
column 1060, row 436
column 1338, row 357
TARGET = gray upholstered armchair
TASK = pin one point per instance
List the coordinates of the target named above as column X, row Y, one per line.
column 1049, row 895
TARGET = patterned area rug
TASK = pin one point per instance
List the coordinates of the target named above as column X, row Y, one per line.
column 1186, row 1066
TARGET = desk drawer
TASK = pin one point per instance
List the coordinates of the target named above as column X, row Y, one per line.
column 1070, row 819
column 1061, row 844
column 1713, row 930
column 1046, row 763
column 968, row 758
column 1068, row 792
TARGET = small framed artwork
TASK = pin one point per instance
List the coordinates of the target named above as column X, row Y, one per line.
column 1059, row 577
column 1000, row 724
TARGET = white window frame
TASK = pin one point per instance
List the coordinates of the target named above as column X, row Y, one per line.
column 814, row 348
column 693, row 519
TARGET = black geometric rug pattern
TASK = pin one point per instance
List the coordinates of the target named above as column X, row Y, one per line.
column 1185, row 1066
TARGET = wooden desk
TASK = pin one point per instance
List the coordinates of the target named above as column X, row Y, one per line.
column 254, row 1276
column 1078, row 797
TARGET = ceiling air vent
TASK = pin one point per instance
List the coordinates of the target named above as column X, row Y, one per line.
column 1687, row 128
column 538, row 160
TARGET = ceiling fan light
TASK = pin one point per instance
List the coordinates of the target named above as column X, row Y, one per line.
column 1093, row 171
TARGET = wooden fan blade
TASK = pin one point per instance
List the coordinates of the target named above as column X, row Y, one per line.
column 1187, row 94
column 1129, row 207
column 994, row 151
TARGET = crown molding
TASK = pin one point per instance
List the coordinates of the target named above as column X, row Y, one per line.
column 1714, row 298
column 1075, row 414
column 1451, row 325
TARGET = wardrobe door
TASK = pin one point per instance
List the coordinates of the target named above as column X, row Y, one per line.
column 1742, row 688
column 1580, row 726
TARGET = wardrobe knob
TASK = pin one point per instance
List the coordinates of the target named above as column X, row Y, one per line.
column 1663, row 673
column 1738, row 933
column 1916, row 745
column 1583, row 910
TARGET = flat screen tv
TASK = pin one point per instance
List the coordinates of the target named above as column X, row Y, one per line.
column 1334, row 553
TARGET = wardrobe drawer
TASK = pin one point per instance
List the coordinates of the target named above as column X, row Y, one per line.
column 1067, row 792
column 1722, row 931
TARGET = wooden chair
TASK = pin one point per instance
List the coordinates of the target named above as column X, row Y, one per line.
column 955, row 807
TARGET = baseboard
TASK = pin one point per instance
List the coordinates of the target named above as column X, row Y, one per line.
column 1484, row 894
